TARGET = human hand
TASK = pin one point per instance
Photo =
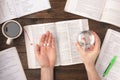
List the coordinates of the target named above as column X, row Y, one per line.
column 89, row 56
column 45, row 51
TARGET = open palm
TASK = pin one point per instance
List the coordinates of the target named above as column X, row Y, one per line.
column 45, row 51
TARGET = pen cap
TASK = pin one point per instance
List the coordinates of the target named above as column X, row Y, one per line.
column 86, row 39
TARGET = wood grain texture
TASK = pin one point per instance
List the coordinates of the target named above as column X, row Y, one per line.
column 56, row 13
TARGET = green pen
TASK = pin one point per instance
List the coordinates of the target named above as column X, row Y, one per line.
column 112, row 62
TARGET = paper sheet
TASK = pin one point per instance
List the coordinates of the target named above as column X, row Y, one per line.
column 110, row 48
column 88, row 8
column 111, row 13
column 10, row 65
column 11, row 9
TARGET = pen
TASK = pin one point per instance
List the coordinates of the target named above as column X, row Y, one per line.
column 112, row 62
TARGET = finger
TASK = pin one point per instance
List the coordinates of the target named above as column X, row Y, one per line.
column 50, row 40
column 80, row 49
column 53, row 42
column 42, row 40
column 37, row 50
column 97, row 42
column 47, row 36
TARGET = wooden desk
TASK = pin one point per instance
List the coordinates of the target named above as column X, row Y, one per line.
column 56, row 13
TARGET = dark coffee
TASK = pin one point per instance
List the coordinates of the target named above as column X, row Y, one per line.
column 12, row 29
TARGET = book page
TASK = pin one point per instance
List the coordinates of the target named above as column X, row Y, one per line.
column 11, row 9
column 110, row 48
column 30, row 6
column 88, row 8
column 32, row 62
column 61, row 32
column 36, row 32
column 67, row 32
column 111, row 12
column 10, row 65
column 74, row 29
column 36, row 35
column 7, row 10
column 63, row 43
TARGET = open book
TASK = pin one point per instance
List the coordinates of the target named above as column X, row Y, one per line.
column 10, row 9
column 110, row 48
column 65, row 34
column 10, row 65
column 100, row 10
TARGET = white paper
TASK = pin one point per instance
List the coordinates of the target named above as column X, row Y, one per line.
column 74, row 30
column 10, row 65
column 110, row 48
column 63, row 42
column 11, row 9
column 111, row 13
column 65, row 34
column 29, row 42
column 35, row 32
column 100, row 10
column 88, row 8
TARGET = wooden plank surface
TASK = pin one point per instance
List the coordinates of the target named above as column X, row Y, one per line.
column 56, row 13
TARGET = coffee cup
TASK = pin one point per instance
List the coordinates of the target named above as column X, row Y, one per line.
column 11, row 30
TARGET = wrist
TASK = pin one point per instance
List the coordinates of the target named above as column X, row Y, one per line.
column 90, row 67
column 47, row 73
column 47, row 68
